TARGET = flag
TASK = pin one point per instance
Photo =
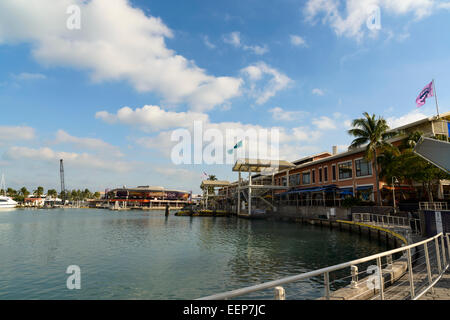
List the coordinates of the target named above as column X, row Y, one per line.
column 424, row 94
column 237, row 145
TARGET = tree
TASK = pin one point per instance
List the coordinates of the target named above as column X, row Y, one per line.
column 409, row 166
column 97, row 195
column 39, row 191
column 372, row 132
column 24, row 192
column 11, row 192
column 52, row 193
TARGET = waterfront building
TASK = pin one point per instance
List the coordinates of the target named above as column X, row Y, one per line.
column 144, row 197
column 326, row 179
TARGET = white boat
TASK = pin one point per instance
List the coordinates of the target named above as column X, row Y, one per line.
column 7, row 202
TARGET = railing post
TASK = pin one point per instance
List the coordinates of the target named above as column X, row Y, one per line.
column 380, row 274
column 326, row 276
column 411, row 279
column 448, row 245
column 354, row 273
column 438, row 255
column 280, row 294
column 444, row 258
column 427, row 260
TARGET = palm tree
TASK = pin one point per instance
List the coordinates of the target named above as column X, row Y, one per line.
column 39, row 191
column 24, row 192
column 372, row 132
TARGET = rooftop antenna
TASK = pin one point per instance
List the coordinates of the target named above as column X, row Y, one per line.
column 63, row 187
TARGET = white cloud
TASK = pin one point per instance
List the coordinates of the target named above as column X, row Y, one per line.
column 14, row 133
column 83, row 160
column 318, row 92
column 24, row 76
column 208, row 43
column 283, row 115
column 353, row 24
column 298, row 41
column 278, row 81
column 116, row 42
column 89, row 143
column 234, row 39
column 324, row 123
column 416, row 115
column 152, row 118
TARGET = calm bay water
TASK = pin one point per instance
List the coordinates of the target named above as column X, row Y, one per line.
column 144, row 255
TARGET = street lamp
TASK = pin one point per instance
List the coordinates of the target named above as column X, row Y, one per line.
column 393, row 191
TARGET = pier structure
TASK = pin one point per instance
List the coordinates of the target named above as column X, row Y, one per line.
column 210, row 191
column 260, row 186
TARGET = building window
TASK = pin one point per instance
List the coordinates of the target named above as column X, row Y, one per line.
column 294, row 180
column 314, row 176
column 283, row 181
column 320, row 175
column 345, row 170
column 325, row 174
column 363, row 168
column 333, row 169
column 306, row 178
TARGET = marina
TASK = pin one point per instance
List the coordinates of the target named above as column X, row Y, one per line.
column 158, row 257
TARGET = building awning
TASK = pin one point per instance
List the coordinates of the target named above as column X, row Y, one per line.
column 261, row 165
column 346, row 191
column 362, row 188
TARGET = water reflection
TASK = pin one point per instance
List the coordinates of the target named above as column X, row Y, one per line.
column 145, row 255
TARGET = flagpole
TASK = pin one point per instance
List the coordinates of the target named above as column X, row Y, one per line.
column 435, row 96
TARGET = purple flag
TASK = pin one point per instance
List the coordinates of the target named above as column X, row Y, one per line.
column 424, row 94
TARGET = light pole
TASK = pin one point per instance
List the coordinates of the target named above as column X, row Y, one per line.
column 393, row 191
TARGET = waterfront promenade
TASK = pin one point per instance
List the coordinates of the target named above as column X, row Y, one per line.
column 441, row 289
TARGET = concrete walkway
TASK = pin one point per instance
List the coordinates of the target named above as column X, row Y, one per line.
column 441, row 289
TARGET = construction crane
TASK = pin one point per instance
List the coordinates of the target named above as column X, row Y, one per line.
column 63, row 187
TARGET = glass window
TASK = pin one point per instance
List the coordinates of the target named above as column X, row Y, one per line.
column 345, row 170
column 306, row 178
column 363, row 168
column 334, row 172
column 314, row 176
column 283, row 181
column 325, row 174
column 320, row 174
column 294, row 180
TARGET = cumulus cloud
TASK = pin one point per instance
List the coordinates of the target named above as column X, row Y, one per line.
column 24, row 76
column 318, row 92
column 152, row 118
column 88, row 143
column 116, row 42
column 83, row 160
column 280, row 114
column 255, row 74
column 416, row 115
column 14, row 133
column 234, row 39
column 351, row 22
column 298, row 41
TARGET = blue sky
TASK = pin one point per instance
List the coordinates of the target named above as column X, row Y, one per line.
column 307, row 67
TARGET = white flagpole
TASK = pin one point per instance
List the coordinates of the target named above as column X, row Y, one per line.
column 435, row 96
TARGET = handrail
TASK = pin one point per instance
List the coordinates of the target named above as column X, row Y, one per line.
column 323, row 271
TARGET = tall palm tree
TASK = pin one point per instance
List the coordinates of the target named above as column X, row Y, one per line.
column 371, row 132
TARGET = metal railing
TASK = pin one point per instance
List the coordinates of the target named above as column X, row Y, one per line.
column 433, row 205
column 403, row 273
column 388, row 221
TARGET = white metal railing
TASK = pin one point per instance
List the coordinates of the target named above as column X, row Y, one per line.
column 388, row 221
column 433, row 205
column 410, row 276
